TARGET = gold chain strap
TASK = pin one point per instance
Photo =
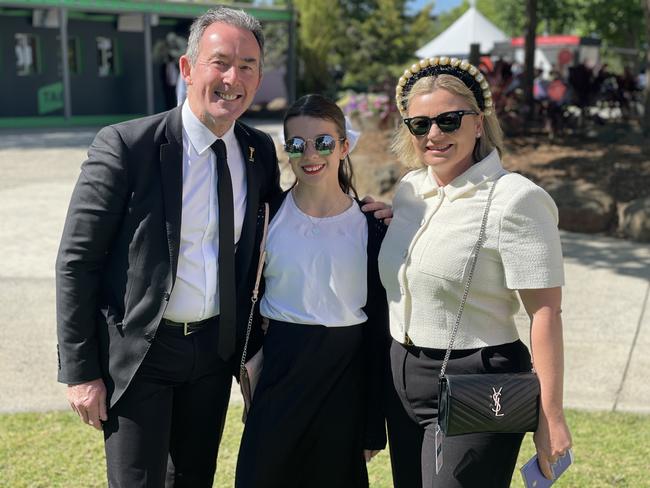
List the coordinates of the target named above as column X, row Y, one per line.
column 258, row 277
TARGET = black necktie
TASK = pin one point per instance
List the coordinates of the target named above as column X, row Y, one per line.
column 227, row 304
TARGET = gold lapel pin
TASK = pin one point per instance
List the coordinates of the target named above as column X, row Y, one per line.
column 251, row 150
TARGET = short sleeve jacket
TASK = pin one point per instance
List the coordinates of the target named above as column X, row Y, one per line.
column 424, row 257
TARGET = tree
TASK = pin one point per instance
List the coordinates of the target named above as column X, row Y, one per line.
column 554, row 16
column 558, row 16
column 422, row 28
column 276, row 46
column 358, row 9
column 360, row 44
column 615, row 22
column 447, row 18
column 375, row 43
column 380, row 42
column 531, row 29
column 319, row 35
column 646, row 117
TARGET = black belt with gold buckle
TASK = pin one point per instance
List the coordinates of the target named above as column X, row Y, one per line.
column 189, row 327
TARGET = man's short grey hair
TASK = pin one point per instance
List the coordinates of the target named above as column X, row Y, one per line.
column 225, row 15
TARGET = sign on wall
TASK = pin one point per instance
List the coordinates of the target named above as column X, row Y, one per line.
column 50, row 98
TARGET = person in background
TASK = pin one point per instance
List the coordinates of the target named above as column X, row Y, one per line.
column 451, row 137
column 317, row 410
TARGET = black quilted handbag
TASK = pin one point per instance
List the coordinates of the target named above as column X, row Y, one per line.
column 472, row 403
column 496, row 403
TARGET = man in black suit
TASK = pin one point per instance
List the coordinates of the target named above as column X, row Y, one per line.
column 147, row 268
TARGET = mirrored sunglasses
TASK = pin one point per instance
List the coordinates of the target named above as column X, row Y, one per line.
column 446, row 122
column 324, row 145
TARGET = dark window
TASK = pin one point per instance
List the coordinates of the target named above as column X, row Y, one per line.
column 74, row 55
column 26, row 49
column 106, row 65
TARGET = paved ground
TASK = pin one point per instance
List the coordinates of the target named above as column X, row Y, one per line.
column 606, row 309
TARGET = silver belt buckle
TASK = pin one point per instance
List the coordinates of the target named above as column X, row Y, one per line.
column 185, row 331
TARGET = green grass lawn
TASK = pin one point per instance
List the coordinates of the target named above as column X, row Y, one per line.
column 56, row 450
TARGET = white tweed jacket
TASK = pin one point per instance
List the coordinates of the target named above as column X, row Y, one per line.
column 424, row 255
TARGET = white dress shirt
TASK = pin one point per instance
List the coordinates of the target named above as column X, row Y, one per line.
column 424, row 256
column 316, row 267
column 195, row 295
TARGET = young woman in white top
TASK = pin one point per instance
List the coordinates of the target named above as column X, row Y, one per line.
column 317, row 410
column 452, row 135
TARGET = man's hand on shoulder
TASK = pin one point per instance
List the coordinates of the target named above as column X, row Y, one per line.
column 89, row 401
column 382, row 211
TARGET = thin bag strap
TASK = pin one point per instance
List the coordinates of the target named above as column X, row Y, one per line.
column 258, row 277
column 473, row 259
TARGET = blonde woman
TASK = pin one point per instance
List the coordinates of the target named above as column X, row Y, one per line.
column 451, row 136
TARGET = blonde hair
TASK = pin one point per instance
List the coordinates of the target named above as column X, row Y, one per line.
column 491, row 137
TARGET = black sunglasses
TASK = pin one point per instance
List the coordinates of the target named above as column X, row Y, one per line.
column 324, row 145
column 446, row 122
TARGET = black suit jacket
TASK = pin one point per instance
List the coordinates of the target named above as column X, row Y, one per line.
column 118, row 256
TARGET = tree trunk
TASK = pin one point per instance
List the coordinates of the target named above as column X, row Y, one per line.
column 529, row 68
column 646, row 117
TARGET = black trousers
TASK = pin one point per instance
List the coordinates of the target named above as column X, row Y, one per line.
column 166, row 428
column 469, row 461
column 305, row 426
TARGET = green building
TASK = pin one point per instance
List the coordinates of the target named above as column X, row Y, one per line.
column 118, row 61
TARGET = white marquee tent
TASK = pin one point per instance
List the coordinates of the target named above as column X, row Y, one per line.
column 471, row 28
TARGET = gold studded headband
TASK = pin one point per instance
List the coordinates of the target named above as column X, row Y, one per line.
column 461, row 69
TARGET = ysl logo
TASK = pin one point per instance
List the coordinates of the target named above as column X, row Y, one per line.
column 496, row 398
column 251, row 154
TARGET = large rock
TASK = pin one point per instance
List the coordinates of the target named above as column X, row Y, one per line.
column 629, row 182
column 583, row 206
column 376, row 178
column 634, row 219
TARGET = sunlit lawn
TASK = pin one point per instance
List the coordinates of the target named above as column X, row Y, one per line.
column 55, row 450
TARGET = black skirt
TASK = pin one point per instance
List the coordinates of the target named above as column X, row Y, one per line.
column 305, row 426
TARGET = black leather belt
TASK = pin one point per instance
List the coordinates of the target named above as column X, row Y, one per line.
column 190, row 327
